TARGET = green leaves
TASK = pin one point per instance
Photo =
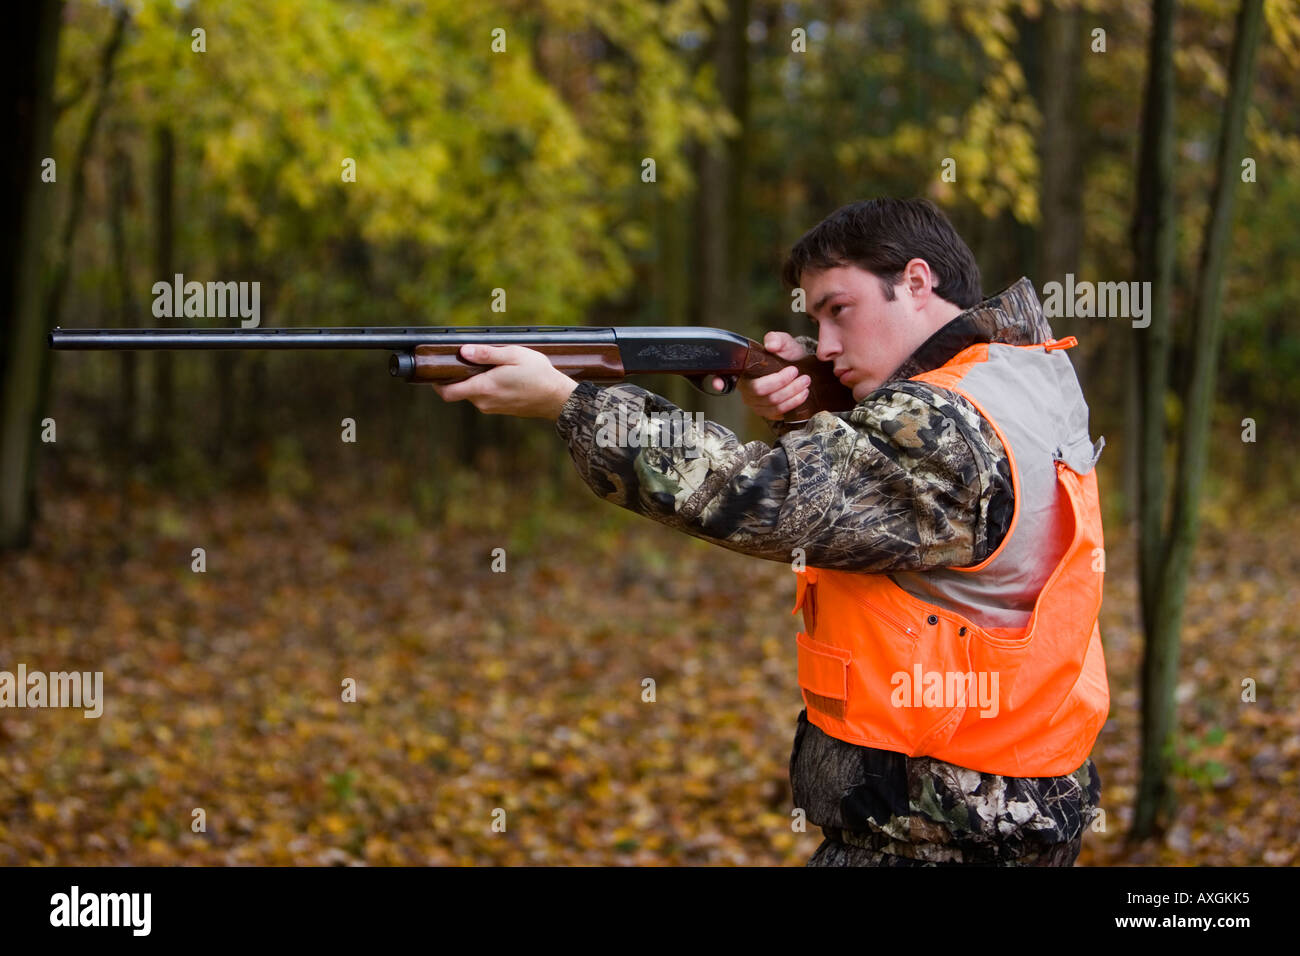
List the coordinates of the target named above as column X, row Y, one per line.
column 461, row 169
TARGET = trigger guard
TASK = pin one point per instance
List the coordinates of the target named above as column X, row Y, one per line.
column 702, row 382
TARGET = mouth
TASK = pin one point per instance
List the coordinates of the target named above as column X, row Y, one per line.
column 840, row 373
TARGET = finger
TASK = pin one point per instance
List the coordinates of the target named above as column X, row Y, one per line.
column 798, row 387
column 783, row 345
column 470, row 388
column 790, row 404
column 766, row 385
column 492, row 354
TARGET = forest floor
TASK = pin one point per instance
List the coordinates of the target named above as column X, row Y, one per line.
column 504, row 717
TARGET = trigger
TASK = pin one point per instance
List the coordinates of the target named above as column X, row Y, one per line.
column 705, row 383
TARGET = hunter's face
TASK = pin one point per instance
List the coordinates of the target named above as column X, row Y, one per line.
column 864, row 335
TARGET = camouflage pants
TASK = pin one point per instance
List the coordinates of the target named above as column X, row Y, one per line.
column 836, row 850
column 880, row 808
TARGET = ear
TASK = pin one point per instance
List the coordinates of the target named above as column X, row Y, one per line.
column 918, row 282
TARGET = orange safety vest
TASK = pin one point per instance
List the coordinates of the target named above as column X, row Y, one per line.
column 997, row 667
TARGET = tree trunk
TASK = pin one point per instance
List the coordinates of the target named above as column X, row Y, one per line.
column 1164, row 583
column 719, row 287
column 120, row 191
column 33, row 33
column 671, row 283
column 164, row 389
column 1060, row 155
column 1153, row 248
column 1199, row 396
column 27, row 362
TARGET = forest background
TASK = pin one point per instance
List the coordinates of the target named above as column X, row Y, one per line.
column 603, row 162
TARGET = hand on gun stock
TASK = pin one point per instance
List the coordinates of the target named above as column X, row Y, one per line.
column 772, row 396
column 523, row 382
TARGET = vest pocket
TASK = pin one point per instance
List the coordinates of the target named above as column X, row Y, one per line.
column 824, row 674
column 909, row 666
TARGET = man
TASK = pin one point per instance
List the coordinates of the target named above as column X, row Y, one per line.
column 946, row 534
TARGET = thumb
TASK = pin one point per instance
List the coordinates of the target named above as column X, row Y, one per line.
column 783, row 345
column 485, row 354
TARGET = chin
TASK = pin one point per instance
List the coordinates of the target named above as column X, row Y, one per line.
column 862, row 389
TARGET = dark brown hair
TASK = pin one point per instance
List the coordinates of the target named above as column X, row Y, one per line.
column 881, row 236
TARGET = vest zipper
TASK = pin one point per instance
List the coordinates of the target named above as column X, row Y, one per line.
column 905, row 628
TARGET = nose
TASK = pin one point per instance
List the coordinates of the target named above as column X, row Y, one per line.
column 827, row 346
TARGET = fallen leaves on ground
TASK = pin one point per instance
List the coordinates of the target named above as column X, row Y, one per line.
column 504, row 717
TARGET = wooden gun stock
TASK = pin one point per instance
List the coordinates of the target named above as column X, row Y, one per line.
column 604, row 363
column 442, row 363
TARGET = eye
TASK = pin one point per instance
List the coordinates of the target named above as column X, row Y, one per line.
column 835, row 310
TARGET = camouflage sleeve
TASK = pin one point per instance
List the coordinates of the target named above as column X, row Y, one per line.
column 808, row 342
column 911, row 479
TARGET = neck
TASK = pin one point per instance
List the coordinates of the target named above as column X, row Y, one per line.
column 938, row 313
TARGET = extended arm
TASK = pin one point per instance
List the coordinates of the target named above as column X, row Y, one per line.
column 912, row 478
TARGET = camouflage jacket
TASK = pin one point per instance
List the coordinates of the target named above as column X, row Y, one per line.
column 889, row 486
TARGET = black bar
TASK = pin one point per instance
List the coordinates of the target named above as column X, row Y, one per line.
column 301, row 907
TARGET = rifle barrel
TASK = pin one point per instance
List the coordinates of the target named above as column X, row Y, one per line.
column 384, row 337
column 663, row 348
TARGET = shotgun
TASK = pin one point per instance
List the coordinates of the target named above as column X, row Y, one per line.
column 432, row 354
